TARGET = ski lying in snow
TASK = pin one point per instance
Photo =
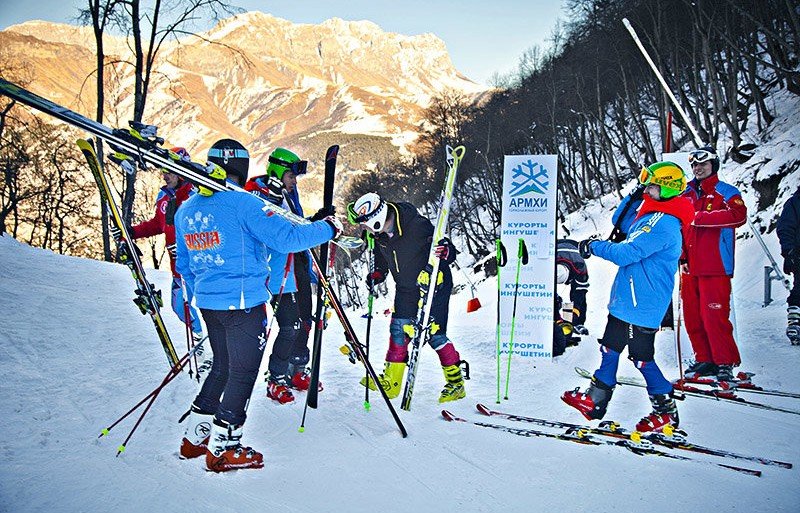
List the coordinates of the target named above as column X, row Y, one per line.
column 147, row 151
column 688, row 390
column 586, row 439
column 613, row 430
column 422, row 327
column 147, row 298
column 741, row 384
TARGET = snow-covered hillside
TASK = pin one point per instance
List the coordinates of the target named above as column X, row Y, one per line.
column 76, row 354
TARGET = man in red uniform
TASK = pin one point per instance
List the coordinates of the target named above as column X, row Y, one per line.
column 175, row 191
column 707, row 268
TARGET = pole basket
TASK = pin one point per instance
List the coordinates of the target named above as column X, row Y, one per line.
column 473, row 304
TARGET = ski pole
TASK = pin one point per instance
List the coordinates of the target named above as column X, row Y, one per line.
column 678, row 328
column 370, row 299
column 286, row 269
column 501, row 258
column 522, row 259
column 171, row 375
column 187, row 320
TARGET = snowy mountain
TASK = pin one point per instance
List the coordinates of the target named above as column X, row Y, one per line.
column 76, row 354
column 259, row 79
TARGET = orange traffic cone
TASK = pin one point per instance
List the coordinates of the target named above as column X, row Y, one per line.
column 474, row 303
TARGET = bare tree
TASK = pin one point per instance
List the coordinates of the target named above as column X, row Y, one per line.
column 148, row 27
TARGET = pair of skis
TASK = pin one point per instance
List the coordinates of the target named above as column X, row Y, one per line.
column 422, row 327
column 638, row 443
column 742, row 383
column 692, row 391
column 147, row 298
column 147, row 152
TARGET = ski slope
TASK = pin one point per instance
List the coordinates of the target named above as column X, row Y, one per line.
column 76, row 354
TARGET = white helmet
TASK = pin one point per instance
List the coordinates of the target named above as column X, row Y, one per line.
column 371, row 211
column 562, row 273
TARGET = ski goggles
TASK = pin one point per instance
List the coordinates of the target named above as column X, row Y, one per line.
column 228, row 153
column 354, row 217
column 374, row 220
column 700, row 156
column 298, row 168
column 647, row 177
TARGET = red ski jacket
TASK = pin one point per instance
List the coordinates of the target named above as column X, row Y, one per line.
column 719, row 209
column 163, row 221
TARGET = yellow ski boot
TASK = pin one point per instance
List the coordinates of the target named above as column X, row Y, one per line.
column 390, row 379
column 454, row 388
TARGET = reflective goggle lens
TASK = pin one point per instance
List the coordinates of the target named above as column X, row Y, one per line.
column 700, row 156
column 644, row 176
column 298, row 168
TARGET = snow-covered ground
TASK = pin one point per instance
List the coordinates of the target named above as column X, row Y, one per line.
column 76, row 354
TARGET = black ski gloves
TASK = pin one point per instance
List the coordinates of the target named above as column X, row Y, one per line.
column 791, row 260
column 445, row 251
column 375, row 277
column 585, row 246
column 323, row 213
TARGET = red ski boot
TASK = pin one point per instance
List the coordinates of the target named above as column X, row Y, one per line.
column 664, row 417
column 195, row 438
column 278, row 389
column 593, row 403
column 301, row 380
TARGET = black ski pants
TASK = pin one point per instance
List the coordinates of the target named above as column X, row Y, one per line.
column 237, row 338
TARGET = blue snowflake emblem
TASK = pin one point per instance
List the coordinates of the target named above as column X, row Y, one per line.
column 529, row 177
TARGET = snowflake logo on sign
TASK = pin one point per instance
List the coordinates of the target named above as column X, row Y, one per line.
column 529, row 177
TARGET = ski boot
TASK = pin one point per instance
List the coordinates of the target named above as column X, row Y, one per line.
column 664, row 417
column 390, row 379
column 700, row 369
column 301, row 378
column 454, row 388
column 593, row 403
column 195, row 438
column 225, row 451
column 725, row 374
column 278, row 389
column 793, row 325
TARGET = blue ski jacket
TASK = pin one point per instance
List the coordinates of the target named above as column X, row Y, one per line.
column 277, row 259
column 222, row 243
column 647, row 260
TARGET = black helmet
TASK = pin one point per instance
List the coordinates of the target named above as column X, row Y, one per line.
column 232, row 157
column 705, row 154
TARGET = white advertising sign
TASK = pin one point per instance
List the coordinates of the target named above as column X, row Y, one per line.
column 529, row 213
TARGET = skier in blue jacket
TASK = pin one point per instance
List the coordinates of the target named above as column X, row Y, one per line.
column 640, row 294
column 222, row 240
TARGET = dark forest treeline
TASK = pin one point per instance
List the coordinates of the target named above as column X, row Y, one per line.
column 592, row 100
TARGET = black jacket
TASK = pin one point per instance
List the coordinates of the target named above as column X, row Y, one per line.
column 788, row 229
column 405, row 254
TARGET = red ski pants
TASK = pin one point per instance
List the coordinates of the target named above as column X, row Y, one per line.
column 706, row 311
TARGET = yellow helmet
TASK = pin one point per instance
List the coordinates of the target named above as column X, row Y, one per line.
column 668, row 175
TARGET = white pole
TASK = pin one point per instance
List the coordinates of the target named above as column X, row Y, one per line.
column 697, row 140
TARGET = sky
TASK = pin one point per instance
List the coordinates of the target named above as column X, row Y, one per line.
column 482, row 37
